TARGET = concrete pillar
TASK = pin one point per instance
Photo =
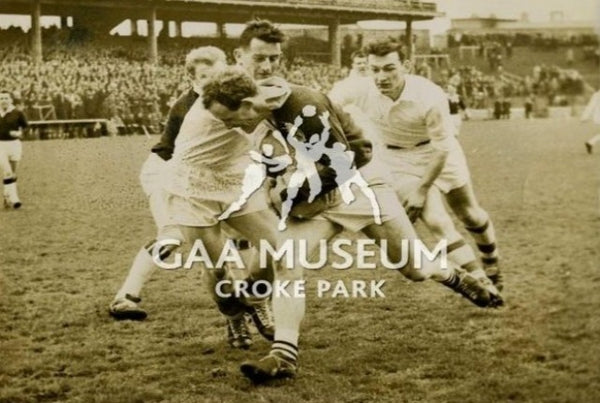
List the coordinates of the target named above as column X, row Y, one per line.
column 133, row 25
column 176, row 29
column 180, row 29
column 36, row 32
column 152, row 40
column 409, row 39
column 63, row 21
column 221, row 32
column 334, row 42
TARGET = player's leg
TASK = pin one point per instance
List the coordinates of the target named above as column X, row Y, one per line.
column 590, row 143
column 125, row 304
column 289, row 307
column 438, row 221
column 231, row 307
column 258, row 226
column 10, row 155
column 435, row 216
column 463, row 202
column 462, row 283
column 396, row 230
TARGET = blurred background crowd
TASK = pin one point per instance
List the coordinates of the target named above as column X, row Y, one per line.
column 108, row 78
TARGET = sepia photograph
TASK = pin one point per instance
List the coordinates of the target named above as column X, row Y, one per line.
column 346, row 201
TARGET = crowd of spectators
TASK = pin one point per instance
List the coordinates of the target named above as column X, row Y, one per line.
column 546, row 41
column 112, row 80
column 481, row 90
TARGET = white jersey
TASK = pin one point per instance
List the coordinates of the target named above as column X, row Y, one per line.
column 419, row 115
column 349, row 84
column 209, row 159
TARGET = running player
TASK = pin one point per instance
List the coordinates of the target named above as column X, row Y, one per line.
column 327, row 216
column 200, row 64
column 418, row 143
column 457, row 108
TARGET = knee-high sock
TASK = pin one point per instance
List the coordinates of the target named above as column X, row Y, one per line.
column 434, row 270
column 288, row 313
column 10, row 189
column 462, row 254
column 485, row 237
column 140, row 272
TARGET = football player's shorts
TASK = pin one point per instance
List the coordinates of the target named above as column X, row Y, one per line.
column 10, row 150
column 359, row 214
column 199, row 212
column 406, row 166
column 151, row 174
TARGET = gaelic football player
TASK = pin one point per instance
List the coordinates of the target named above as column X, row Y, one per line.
column 416, row 136
column 12, row 123
column 200, row 64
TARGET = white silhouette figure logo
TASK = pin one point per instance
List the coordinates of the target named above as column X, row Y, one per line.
column 306, row 155
column 256, row 173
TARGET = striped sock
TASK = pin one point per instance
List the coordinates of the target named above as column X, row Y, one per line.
column 10, row 189
column 285, row 350
column 485, row 237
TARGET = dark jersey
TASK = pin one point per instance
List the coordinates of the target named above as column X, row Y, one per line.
column 13, row 120
column 456, row 105
column 164, row 148
column 343, row 130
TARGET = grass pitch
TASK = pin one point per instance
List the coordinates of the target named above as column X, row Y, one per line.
column 66, row 252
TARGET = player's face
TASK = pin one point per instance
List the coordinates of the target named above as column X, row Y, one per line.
column 205, row 69
column 260, row 59
column 359, row 64
column 388, row 73
column 5, row 100
column 247, row 117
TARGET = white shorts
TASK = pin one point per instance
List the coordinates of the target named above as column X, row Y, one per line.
column 407, row 164
column 151, row 173
column 359, row 214
column 10, row 150
column 198, row 212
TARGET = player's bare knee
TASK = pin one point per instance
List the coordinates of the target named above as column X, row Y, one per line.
column 472, row 216
column 439, row 226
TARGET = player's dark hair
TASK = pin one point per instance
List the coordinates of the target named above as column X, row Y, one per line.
column 383, row 47
column 228, row 87
column 263, row 30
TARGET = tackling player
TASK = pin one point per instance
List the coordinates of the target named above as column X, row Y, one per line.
column 417, row 140
column 200, row 64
